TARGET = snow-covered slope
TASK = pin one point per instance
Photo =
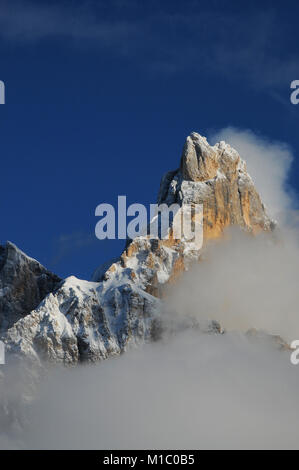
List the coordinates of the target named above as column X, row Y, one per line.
column 84, row 321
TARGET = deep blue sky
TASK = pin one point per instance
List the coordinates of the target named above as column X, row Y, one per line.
column 101, row 95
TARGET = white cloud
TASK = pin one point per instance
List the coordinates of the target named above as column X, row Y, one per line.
column 243, row 282
column 268, row 163
column 195, row 391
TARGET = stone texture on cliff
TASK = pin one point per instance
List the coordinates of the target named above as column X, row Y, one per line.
column 199, row 160
column 24, row 283
column 84, row 321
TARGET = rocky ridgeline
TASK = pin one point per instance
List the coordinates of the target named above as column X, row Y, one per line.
column 24, row 283
column 44, row 318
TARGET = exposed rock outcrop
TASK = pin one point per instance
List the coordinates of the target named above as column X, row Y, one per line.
column 24, row 283
column 84, row 321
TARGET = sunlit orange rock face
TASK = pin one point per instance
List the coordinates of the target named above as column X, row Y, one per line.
column 228, row 195
column 214, row 176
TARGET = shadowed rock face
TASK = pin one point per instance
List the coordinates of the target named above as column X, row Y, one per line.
column 24, row 283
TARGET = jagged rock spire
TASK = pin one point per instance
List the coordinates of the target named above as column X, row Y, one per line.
column 199, row 160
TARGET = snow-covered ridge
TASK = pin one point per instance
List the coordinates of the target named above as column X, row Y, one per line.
column 84, row 320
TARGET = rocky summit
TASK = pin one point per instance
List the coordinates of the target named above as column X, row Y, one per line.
column 46, row 319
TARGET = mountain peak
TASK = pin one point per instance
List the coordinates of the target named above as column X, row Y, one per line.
column 103, row 319
column 200, row 161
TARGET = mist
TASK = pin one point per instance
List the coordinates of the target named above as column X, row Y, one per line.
column 191, row 389
column 194, row 391
column 243, row 282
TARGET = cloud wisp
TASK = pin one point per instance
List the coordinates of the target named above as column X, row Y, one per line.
column 70, row 243
column 268, row 163
column 244, row 46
